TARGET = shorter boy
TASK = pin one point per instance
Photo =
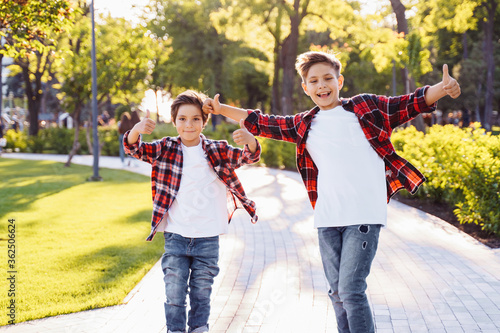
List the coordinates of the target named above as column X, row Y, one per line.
column 195, row 193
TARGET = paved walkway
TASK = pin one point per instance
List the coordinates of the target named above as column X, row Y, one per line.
column 427, row 276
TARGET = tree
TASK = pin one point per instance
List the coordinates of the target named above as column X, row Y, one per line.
column 459, row 21
column 414, row 56
column 490, row 6
column 197, row 49
column 281, row 24
column 159, row 80
column 200, row 56
column 15, row 85
column 123, row 57
column 27, row 31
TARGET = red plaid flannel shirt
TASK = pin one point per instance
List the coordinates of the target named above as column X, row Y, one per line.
column 165, row 157
column 377, row 115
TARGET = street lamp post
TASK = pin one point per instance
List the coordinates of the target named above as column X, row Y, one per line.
column 95, row 176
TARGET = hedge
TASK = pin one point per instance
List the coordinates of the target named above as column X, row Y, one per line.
column 462, row 167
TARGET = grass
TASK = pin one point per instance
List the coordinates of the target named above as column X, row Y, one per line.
column 79, row 245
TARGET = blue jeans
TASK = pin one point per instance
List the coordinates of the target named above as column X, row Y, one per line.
column 189, row 262
column 347, row 254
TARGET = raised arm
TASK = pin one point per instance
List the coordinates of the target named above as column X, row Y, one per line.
column 268, row 126
column 216, row 107
column 145, row 126
column 448, row 86
column 133, row 145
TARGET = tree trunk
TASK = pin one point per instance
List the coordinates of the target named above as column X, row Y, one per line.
column 465, row 46
column 489, row 26
column 275, row 102
column 276, row 99
column 289, row 54
column 34, row 96
column 87, row 136
column 89, row 140
column 399, row 9
column 32, row 108
column 477, row 110
column 76, row 142
column 409, row 83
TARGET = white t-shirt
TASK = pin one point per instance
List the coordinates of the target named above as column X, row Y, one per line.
column 200, row 207
column 351, row 179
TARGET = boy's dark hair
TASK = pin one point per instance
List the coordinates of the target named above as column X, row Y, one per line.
column 189, row 97
column 306, row 60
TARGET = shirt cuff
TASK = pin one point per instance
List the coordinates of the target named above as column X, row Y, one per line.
column 421, row 103
column 131, row 148
column 252, row 121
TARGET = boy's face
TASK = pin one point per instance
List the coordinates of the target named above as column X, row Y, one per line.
column 323, row 86
column 189, row 124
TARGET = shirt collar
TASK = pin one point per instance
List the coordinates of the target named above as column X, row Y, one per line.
column 202, row 138
column 348, row 104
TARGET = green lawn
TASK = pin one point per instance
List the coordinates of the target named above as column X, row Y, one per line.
column 79, row 245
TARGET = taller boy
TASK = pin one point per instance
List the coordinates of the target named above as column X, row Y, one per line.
column 350, row 170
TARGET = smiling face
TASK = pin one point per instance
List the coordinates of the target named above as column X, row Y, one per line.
column 189, row 124
column 323, row 85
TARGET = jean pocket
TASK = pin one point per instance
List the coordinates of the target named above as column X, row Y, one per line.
column 168, row 235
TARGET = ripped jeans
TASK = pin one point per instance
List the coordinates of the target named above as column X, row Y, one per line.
column 189, row 266
column 347, row 254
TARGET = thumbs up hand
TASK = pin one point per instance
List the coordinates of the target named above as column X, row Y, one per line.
column 146, row 125
column 212, row 105
column 243, row 137
column 450, row 85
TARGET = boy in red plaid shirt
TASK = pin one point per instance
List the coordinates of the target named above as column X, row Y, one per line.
column 195, row 192
column 349, row 167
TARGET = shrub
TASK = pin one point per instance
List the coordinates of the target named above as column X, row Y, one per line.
column 60, row 140
column 271, row 153
column 278, row 154
column 16, row 140
column 108, row 138
column 462, row 167
column 36, row 144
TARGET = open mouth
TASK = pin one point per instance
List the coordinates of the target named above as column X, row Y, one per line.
column 324, row 95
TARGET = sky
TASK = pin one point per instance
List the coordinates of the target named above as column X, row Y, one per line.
column 120, row 8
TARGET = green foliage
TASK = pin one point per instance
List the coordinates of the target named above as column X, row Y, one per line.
column 270, row 155
column 194, row 54
column 122, row 61
column 59, row 140
column 26, row 30
column 109, row 140
column 16, row 140
column 36, row 143
column 462, row 167
column 278, row 154
column 121, row 109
